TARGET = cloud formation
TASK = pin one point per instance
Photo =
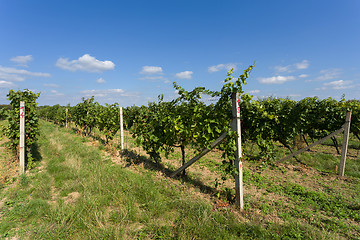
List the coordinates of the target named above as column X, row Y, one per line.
column 100, row 80
column 11, row 77
column 9, row 70
column 293, row 67
column 22, row 60
column 151, row 70
column 102, row 92
column 294, row 95
column 6, row 84
column 328, row 74
column 51, row 85
column 222, row 66
column 152, row 78
column 338, row 85
column 276, row 79
column 56, row 93
column 184, row 75
column 302, row 65
column 18, row 75
column 303, row 76
column 85, row 63
column 254, row 91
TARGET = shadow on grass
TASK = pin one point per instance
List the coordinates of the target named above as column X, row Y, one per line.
column 133, row 158
column 98, row 138
column 35, row 152
column 91, row 135
column 35, row 155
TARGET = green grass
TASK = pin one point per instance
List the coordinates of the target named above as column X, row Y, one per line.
column 113, row 202
column 78, row 192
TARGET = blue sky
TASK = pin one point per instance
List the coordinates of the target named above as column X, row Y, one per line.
column 131, row 51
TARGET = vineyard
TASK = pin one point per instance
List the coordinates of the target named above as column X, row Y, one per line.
column 187, row 122
column 85, row 186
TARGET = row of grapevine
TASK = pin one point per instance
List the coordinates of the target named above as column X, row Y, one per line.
column 276, row 119
column 12, row 114
column 86, row 115
column 55, row 113
column 188, row 122
column 163, row 126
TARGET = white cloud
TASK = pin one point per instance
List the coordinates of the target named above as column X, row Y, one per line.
column 338, row 85
column 254, row 91
column 282, row 68
column 103, row 92
column 328, row 74
column 56, row 93
column 302, row 65
column 184, row 75
column 100, row 80
column 151, row 70
column 11, row 77
column 22, row 60
column 6, row 84
column 294, row 95
column 152, row 78
column 276, row 79
column 303, row 76
column 18, row 75
column 9, row 70
column 222, row 66
column 153, row 73
column 52, row 85
column 293, row 67
column 85, row 63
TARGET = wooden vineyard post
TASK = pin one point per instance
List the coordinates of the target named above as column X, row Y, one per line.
column 121, row 129
column 345, row 143
column 22, row 137
column 66, row 112
column 87, row 117
column 236, row 127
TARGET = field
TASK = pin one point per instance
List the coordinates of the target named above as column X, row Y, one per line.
column 84, row 188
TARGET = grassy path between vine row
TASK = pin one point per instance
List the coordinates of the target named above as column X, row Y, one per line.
column 77, row 192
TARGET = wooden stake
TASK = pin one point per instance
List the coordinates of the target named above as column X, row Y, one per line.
column 204, row 152
column 22, row 137
column 236, row 127
column 66, row 111
column 311, row 145
column 121, row 129
column 345, row 143
column 87, row 118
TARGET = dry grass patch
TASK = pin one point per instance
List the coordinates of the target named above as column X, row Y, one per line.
column 8, row 163
column 72, row 197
